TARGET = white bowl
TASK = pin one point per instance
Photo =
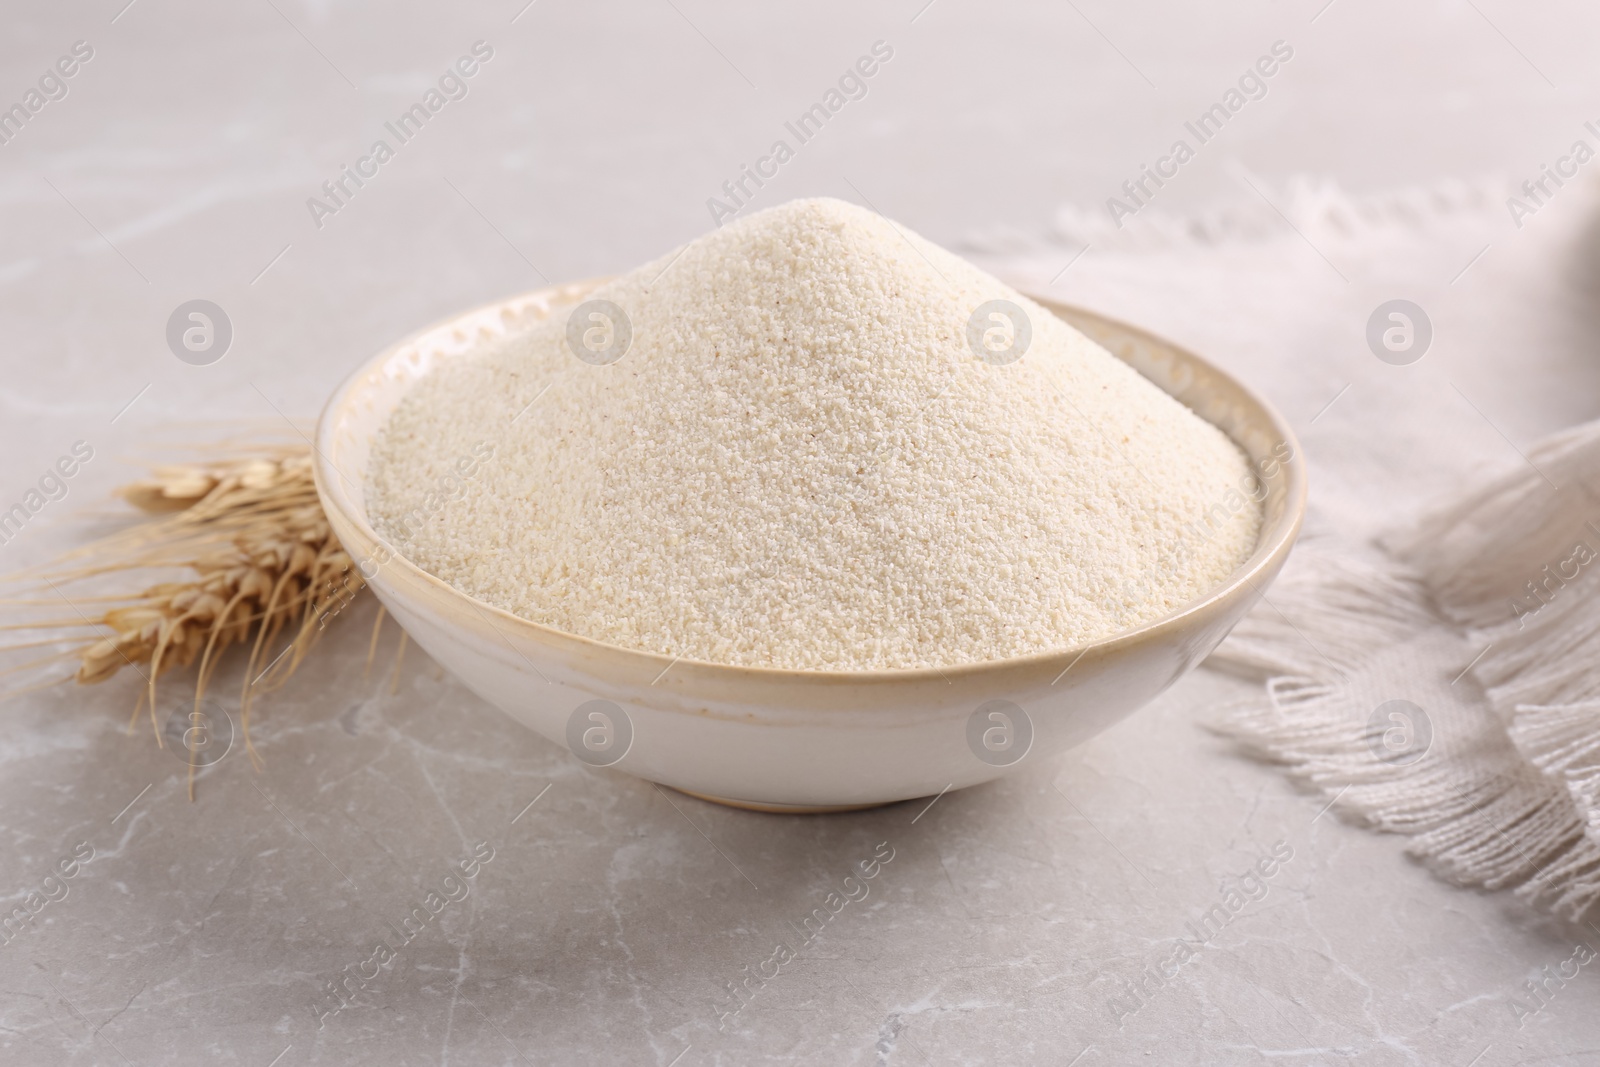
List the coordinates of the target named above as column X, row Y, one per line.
column 786, row 740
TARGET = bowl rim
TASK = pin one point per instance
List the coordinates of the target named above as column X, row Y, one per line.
column 1274, row 541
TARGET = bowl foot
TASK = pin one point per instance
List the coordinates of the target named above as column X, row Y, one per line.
column 784, row 809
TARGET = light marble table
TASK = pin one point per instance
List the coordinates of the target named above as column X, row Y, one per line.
column 613, row 916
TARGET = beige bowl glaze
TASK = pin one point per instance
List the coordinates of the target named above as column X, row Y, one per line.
column 785, row 740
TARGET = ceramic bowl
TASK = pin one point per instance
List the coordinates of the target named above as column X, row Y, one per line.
column 787, row 740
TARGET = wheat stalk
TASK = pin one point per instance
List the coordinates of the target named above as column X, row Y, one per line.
column 264, row 564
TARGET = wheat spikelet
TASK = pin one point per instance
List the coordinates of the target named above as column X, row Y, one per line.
column 263, row 563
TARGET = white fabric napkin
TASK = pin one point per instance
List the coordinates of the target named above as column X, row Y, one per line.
column 1428, row 657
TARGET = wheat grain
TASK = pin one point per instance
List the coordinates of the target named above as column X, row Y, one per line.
column 264, row 563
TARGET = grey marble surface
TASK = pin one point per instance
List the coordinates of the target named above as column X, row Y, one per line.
column 1012, row 919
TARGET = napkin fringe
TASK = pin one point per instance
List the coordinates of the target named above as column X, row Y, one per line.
column 1497, row 556
column 1477, row 817
column 1514, row 562
column 1312, row 204
column 1562, row 741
